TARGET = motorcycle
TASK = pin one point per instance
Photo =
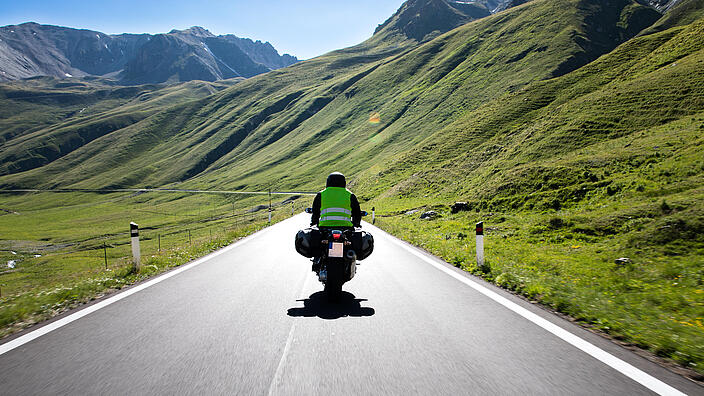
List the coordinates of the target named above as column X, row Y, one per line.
column 334, row 253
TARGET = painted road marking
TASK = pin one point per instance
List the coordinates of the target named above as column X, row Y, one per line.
column 19, row 341
column 279, row 369
column 619, row 365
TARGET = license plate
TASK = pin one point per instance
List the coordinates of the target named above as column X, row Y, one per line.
column 335, row 249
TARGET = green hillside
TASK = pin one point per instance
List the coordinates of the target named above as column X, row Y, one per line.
column 570, row 174
column 43, row 118
column 570, row 130
column 266, row 126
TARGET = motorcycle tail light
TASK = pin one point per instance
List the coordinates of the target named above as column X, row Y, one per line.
column 336, row 236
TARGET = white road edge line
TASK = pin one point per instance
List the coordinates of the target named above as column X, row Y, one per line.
column 619, row 365
column 19, row 341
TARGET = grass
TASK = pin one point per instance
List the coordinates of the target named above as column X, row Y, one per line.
column 58, row 244
column 559, row 246
column 654, row 301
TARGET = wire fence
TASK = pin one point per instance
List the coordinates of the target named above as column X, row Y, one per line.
column 98, row 253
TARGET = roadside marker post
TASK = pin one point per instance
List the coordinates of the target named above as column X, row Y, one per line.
column 269, row 206
column 134, row 234
column 480, row 244
column 373, row 211
column 105, row 254
column 292, row 208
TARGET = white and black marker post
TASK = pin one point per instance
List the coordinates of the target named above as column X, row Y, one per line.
column 373, row 212
column 480, row 244
column 269, row 206
column 134, row 233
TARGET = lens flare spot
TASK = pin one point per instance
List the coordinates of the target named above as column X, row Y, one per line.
column 374, row 118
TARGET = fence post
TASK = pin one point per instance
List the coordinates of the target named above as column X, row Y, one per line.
column 159, row 237
column 373, row 214
column 480, row 244
column 134, row 234
column 105, row 253
column 269, row 206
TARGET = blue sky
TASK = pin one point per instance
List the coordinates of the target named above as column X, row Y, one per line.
column 304, row 28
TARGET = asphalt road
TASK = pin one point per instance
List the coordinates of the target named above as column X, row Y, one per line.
column 252, row 320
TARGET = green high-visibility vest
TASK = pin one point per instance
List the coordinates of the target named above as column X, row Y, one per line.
column 335, row 207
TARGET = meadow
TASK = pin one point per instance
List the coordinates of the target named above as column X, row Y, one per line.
column 67, row 249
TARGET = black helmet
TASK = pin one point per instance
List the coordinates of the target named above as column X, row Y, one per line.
column 336, row 179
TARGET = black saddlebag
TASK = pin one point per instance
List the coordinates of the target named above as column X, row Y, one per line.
column 362, row 244
column 308, row 242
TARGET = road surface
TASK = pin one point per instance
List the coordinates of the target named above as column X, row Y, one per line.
column 252, row 320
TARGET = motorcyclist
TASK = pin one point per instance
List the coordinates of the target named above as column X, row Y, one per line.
column 335, row 207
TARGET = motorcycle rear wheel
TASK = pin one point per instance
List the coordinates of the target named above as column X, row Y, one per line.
column 333, row 285
column 333, row 290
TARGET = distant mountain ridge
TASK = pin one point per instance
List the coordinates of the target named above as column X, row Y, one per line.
column 421, row 20
column 31, row 49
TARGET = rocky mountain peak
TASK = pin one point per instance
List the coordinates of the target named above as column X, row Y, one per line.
column 421, row 20
column 661, row 5
column 195, row 31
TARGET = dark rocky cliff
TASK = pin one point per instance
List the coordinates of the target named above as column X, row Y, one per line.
column 30, row 50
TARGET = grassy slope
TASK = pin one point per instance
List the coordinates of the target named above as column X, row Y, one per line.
column 300, row 115
column 570, row 174
column 42, row 119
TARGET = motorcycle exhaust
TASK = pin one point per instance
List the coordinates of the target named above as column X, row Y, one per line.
column 351, row 255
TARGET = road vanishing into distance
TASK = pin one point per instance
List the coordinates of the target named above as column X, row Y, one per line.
column 251, row 319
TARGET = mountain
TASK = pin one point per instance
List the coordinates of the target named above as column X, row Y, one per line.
column 421, row 20
column 682, row 13
column 31, row 49
column 662, row 5
column 263, row 53
column 268, row 124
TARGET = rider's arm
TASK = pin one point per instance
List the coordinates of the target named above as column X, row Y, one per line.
column 315, row 216
column 356, row 211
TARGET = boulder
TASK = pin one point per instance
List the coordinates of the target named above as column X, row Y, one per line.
column 459, row 207
column 622, row 261
column 429, row 215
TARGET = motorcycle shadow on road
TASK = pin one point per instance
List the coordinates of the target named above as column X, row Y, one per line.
column 318, row 305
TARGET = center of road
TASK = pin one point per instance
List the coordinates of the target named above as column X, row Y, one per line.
column 277, row 375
